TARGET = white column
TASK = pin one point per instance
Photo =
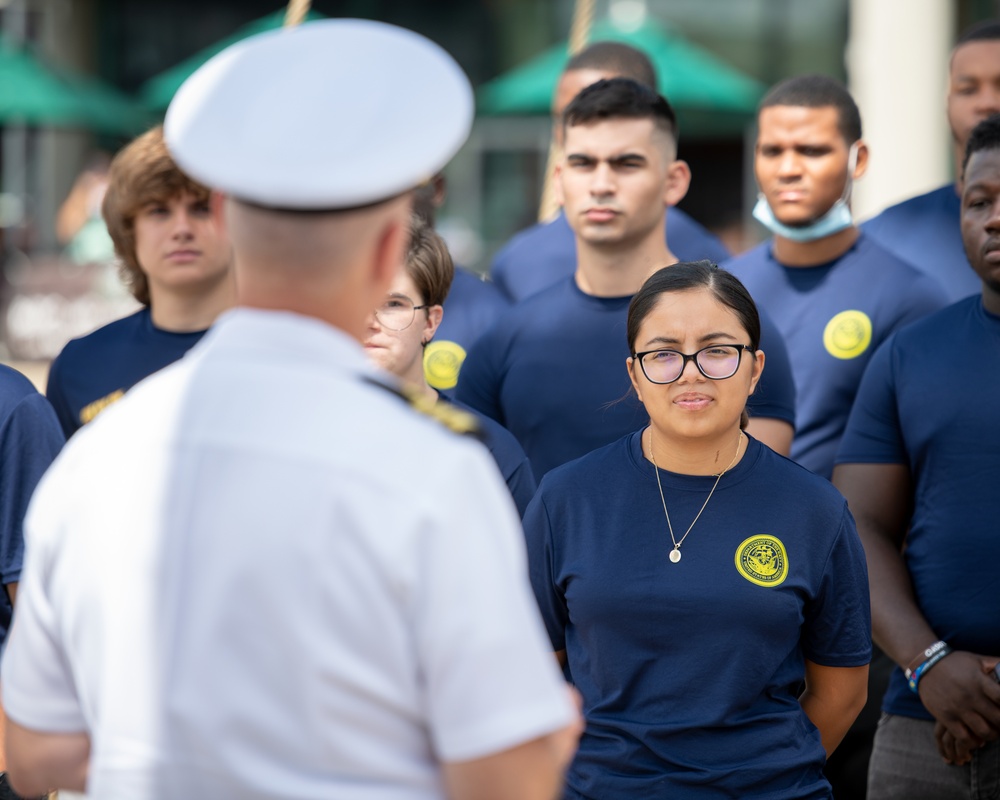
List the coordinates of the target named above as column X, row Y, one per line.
column 897, row 62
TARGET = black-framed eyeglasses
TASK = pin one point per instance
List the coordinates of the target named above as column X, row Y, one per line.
column 716, row 362
column 397, row 312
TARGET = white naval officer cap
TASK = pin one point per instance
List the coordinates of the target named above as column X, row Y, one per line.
column 329, row 115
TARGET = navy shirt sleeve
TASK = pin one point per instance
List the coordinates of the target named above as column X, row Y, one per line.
column 874, row 434
column 54, row 391
column 774, row 397
column 837, row 627
column 508, row 454
column 30, row 439
column 521, row 483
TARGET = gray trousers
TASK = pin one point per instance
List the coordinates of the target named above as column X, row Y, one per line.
column 906, row 764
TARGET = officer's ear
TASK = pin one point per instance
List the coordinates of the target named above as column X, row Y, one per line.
column 391, row 243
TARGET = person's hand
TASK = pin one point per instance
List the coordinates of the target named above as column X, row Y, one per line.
column 949, row 747
column 963, row 696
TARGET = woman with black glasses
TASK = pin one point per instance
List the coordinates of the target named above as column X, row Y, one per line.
column 709, row 597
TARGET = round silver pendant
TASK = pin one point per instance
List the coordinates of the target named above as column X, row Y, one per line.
column 675, row 555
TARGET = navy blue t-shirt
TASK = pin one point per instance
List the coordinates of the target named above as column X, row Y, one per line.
column 833, row 317
column 97, row 369
column 540, row 255
column 30, row 439
column 690, row 672
column 510, row 457
column 925, row 231
column 929, row 400
column 552, row 371
column 471, row 308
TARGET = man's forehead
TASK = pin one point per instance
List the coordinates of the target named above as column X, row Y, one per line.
column 983, row 166
column 180, row 196
column 812, row 118
column 972, row 59
column 613, row 133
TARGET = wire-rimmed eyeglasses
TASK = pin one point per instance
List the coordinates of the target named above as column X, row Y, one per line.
column 397, row 312
column 716, row 362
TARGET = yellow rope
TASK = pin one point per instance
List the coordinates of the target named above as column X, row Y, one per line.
column 579, row 33
column 296, row 13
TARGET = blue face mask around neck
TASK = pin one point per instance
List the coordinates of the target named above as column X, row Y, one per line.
column 833, row 221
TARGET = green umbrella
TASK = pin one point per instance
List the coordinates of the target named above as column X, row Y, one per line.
column 710, row 96
column 158, row 91
column 34, row 94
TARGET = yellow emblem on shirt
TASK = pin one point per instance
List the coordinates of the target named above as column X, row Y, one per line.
column 762, row 560
column 91, row 410
column 848, row 334
column 442, row 361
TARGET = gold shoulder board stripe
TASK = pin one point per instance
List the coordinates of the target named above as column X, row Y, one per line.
column 454, row 419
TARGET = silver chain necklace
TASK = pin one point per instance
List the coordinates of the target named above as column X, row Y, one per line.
column 675, row 554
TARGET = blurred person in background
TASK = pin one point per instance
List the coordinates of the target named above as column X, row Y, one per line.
column 473, row 303
column 80, row 227
column 924, row 230
column 176, row 261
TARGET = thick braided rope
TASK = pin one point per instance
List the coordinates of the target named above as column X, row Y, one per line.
column 579, row 33
column 296, row 12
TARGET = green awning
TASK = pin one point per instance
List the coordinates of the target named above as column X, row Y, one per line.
column 32, row 93
column 710, row 97
column 158, row 91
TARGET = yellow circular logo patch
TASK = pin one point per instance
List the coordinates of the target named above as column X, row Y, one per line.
column 848, row 334
column 442, row 361
column 762, row 560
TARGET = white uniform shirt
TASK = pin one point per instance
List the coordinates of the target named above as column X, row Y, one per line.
column 260, row 576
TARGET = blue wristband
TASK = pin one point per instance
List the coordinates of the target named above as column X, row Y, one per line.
column 913, row 678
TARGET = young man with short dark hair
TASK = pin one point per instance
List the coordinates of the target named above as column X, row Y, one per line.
column 834, row 294
column 545, row 253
